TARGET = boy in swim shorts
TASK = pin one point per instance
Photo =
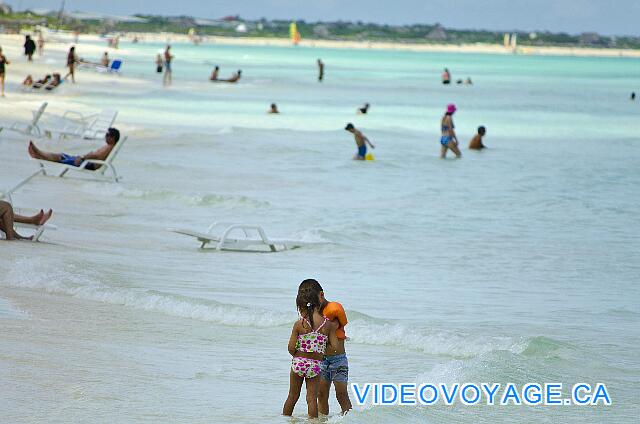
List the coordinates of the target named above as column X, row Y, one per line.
column 361, row 142
column 335, row 366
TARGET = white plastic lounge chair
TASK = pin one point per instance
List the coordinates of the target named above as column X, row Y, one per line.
column 38, row 230
column 87, row 126
column 8, row 193
column 239, row 237
column 31, row 128
column 98, row 174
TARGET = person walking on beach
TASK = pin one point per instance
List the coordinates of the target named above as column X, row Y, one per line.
column 168, row 57
column 335, row 366
column 446, row 76
column 308, row 345
column 476, row 141
column 40, row 44
column 29, row 48
column 159, row 63
column 72, row 59
column 448, row 139
column 111, row 138
column 361, row 142
column 320, row 70
column 8, row 217
column 3, row 65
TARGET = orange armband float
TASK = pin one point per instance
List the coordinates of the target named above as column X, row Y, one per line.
column 335, row 311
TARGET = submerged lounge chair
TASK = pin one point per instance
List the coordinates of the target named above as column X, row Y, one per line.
column 239, row 237
column 97, row 174
column 31, row 128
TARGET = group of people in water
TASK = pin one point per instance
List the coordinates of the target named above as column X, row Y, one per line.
column 449, row 139
column 235, row 77
column 446, row 78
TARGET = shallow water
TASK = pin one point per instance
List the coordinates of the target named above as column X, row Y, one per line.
column 515, row 264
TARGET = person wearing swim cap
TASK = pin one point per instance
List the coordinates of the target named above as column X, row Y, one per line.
column 335, row 366
column 361, row 142
column 448, row 139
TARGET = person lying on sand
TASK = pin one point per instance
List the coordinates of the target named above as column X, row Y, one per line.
column 8, row 217
column 42, row 82
column 57, row 79
column 111, row 138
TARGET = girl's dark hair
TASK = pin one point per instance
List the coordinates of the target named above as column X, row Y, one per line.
column 307, row 302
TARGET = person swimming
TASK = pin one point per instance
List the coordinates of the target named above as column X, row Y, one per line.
column 273, row 108
column 364, row 109
column 476, row 141
column 633, row 95
column 448, row 140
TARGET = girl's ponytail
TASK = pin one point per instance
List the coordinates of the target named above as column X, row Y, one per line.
column 307, row 301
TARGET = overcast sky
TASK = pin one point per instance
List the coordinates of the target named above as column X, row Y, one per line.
column 610, row 17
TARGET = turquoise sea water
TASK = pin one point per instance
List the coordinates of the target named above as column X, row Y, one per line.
column 515, row 264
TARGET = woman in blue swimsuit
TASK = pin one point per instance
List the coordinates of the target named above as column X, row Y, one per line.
column 448, row 140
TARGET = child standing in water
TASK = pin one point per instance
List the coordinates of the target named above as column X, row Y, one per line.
column 307, row 345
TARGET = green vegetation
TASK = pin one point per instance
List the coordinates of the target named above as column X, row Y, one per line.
column 340, row 30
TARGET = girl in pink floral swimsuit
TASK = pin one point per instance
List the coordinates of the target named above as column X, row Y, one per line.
column 307, row 345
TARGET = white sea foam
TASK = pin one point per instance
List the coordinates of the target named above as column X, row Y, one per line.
column 444, row 343
column 186, row 199
column 78, row 285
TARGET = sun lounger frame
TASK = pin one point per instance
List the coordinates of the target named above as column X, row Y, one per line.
column 31, row 128
column 224, row 241
column 99, row 174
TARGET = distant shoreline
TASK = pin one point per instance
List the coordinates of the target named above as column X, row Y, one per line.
column 379, row 45
column 478, row 48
